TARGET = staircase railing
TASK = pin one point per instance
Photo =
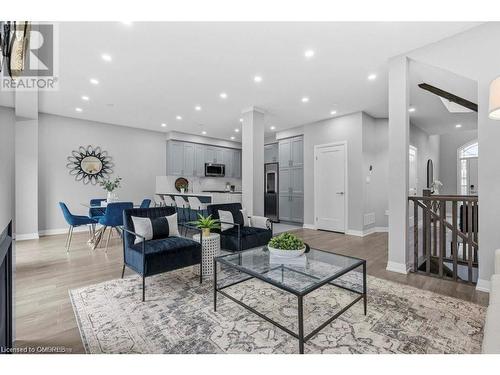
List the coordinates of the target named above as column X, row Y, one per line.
column 445, row 236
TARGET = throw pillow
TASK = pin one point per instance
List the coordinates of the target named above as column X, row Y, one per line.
column 246, row 219
column 227, row 217
column 155, row 229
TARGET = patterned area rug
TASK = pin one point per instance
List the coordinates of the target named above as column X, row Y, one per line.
column 178, row 317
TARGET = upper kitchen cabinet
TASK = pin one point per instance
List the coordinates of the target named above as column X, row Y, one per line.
column 227, row 160
column 291, row 152
column 199, row 160
column 214, row 155
column 271, row 153
column 237, row 164
column 180, row 158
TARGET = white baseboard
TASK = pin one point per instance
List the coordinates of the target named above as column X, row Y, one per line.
column 397, row 267
column 483, row 285
column 352, row 232
column 52, row 232
column 309, row 226
column 26, row 236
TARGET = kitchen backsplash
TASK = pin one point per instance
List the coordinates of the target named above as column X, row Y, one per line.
column 197, row 184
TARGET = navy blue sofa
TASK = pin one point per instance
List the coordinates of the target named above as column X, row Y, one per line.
column 152, row 257
column 241, row 237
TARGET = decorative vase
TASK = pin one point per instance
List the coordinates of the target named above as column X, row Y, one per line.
column 112, row 197
column 205, row 232
column 183, row 190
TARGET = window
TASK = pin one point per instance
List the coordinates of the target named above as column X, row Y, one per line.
column 467, row 168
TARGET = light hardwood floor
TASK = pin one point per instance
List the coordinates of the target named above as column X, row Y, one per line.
column 45, row 272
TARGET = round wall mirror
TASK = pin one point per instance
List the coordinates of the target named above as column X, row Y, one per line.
column 89, row 164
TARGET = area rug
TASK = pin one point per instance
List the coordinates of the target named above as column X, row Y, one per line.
column 178, row 317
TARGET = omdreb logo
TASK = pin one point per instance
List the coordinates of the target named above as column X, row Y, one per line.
column 29, row 56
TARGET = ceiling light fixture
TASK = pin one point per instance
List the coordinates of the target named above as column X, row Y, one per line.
column 204, row 132
column 85, row 97
column 458, row 125
column 163, row 125
column 272, row 127
column 127, row 23
column 237, row 130
column 333, row 112
column 178, row 117
column 494, row 112
column 197, row 108
column 411, row 109
column 241, row 120
column 94, row 81
column 223, row 95
column 232, row 138
column 372, row 77
column 257, row 79
column 78, row 109
column 309, row 53
column 305, row 99
column 106, row 57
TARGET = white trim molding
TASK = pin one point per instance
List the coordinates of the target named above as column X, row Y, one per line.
column 397, row 267
column 26, row 236
column 309, row 226
column 52, row 232
column 483, row 285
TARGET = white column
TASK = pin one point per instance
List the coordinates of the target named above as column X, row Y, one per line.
column 26, row 165
column 252, row 161
column 398, row 164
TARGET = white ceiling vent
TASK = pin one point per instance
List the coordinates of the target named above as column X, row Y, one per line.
column 453, row 107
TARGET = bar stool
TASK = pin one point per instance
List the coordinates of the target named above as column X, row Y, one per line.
column 168, row 201
column 181, row 205
column 196, row 205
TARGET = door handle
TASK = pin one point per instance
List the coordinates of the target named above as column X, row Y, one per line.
column 340, row 193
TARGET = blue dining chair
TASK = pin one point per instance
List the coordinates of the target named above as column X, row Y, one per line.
column 145, row 203
column 74, row 221
column 113, row 217
column 96, row 211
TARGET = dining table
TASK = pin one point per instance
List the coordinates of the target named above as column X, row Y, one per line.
column 97, row 234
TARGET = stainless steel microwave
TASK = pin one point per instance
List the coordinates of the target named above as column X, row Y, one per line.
column 215, row 170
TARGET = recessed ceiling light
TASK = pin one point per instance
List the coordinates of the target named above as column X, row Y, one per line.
column 232, row 138
column 106, row 57
column 241, row 120
column 127, row 23
column 372, row 77
column 223, row 95
column 305, row 99
column 85, row 97
column 203, row 132
column 458, row 125
column 411, row 109
column 197, row 108
column 272, row 127
column 257, row 79
column 178, row 117
column 163, row 125
column 333, row 112
column 237, row 130
column 78, row 109
column 94, row 81
column 309, row 53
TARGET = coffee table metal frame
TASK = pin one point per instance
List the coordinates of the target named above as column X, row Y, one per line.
column 300, row 335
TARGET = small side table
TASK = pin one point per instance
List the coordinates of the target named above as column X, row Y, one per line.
column 209, row 249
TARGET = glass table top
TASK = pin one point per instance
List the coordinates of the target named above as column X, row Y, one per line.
column 297, row 275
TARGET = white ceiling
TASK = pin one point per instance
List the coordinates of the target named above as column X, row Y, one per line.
column 161, row 70
column 430, row 113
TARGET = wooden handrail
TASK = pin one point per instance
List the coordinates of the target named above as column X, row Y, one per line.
column 449, row 246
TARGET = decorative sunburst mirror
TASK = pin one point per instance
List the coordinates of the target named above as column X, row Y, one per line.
column 90, row 164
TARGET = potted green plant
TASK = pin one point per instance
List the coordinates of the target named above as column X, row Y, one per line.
column 110, row 186
column 206, row 224
column 286, row 245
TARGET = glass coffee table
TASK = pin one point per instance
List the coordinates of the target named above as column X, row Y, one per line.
column 299, row 276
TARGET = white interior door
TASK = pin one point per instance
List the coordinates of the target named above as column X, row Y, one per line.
column 330, row 187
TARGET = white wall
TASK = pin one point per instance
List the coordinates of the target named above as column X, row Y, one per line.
column 139, row 156
column 427, row 148
column 7, row 123
column 471, row 55
column 449, row 144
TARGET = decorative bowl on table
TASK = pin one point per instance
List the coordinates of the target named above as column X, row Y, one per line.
column 286, row 245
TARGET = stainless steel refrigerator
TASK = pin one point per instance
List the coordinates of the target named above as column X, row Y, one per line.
column 271, row 189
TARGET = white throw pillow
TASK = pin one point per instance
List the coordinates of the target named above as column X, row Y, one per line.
column 246, row 219
column 227, row 217
column 144, row 226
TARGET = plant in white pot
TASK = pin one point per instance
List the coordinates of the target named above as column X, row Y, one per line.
column 110, row 186
column 286, row 245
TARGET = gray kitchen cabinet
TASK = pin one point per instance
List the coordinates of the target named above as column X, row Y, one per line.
column 199, row 160
column 291, row 179
column 237, row 164
column 210, row 155
column 285, row 212
column 297, row 209
column 227, row 160
column 296, row 180
column 219, row 155
column 175, row 158
column 297, row 152
column 271, row 153
column 188, row 168
column 285, row 152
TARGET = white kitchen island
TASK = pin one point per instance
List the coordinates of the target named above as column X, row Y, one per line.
column 209, row 197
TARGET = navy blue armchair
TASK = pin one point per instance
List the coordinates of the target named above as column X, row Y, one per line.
column 152, row 257
column 241, row 237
